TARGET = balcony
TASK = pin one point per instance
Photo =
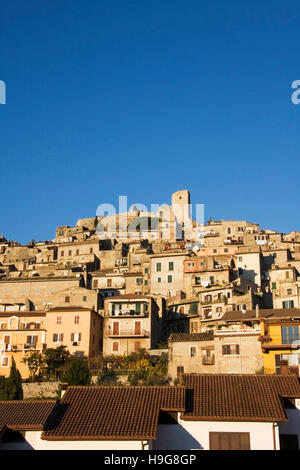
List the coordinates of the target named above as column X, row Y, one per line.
column 128, row 313
column 208, row 361
column 18, row 347
column 127, row 333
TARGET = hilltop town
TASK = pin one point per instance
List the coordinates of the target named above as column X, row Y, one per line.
column 226, row 302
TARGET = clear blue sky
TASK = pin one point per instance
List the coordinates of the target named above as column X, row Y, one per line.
column 143, row 98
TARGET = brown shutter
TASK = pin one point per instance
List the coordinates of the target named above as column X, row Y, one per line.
column 79, row 337
column 214, row 443
column 6, row 339
column 62, row 337
column 54, row 338
column 245, row 441
column 137, row 328
column 72, row 337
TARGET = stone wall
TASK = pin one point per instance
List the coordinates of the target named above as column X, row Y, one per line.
column 40, row 390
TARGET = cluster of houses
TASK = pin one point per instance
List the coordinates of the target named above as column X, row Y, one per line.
column 224, row 307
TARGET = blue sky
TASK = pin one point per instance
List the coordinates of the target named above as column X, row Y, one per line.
column 143, row 98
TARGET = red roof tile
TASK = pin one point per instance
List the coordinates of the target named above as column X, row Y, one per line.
column 238, row 397
column 24, row 415
column 113, row 413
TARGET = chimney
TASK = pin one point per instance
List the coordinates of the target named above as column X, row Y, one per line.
column 257, row 311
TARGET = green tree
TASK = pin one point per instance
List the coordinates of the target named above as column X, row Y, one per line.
column 14, row 383
column 3, row 388
column 34, row 361
column 55, row 359
column 78, row 372
column 108, row 377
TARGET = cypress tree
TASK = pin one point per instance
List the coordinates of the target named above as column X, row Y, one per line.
column 14, row 383
column 79, row 372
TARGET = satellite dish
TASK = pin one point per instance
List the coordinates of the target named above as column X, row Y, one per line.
column 204, row 283
column 295, row 344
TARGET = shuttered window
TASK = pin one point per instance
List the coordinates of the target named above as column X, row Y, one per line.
column 229, row 441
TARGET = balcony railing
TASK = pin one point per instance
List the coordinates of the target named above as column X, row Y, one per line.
column 208, row 361
column 129, row 313
column 128, row 333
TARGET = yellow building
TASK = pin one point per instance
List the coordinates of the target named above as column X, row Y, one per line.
column 21, row 333
column 280, row 342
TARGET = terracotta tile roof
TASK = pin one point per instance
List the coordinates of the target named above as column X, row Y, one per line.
column 113, row 413
column 178, row 337
column 128, row 296
column 22, row 415
column 231, row 397
column 69, row 309
column 263, row 313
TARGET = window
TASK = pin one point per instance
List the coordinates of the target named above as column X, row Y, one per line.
column 214, row 250
column 67, row 299
column 229, row 441
column 5, row 361
column 287, row 274
column 62, row 253
column 138, row 308
column 95, row 283
column 170, row 279
column 193, row 351
column 77, row 252
column 91, row 250
column 70, row 252
column 58, row 320
column 115, row 346
column 31, row 340
column 137, row 346
column 207, row 313
column 212, row 279
column 289, row 291
column 171, row 266
column 240, row 258
column 180, row 370
column 76, row 319
column 159, row 279
column 139, row 281
column 231, row 349
column 288, row 304
column 228, row 230
column 274, row 287
column 225, row 250
column 197, row 280
column 75, row 337
column 58, row 337
column 146, row 270
column 289, row 334
column 158, row 267
column 146, row 282
column 194, row 327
